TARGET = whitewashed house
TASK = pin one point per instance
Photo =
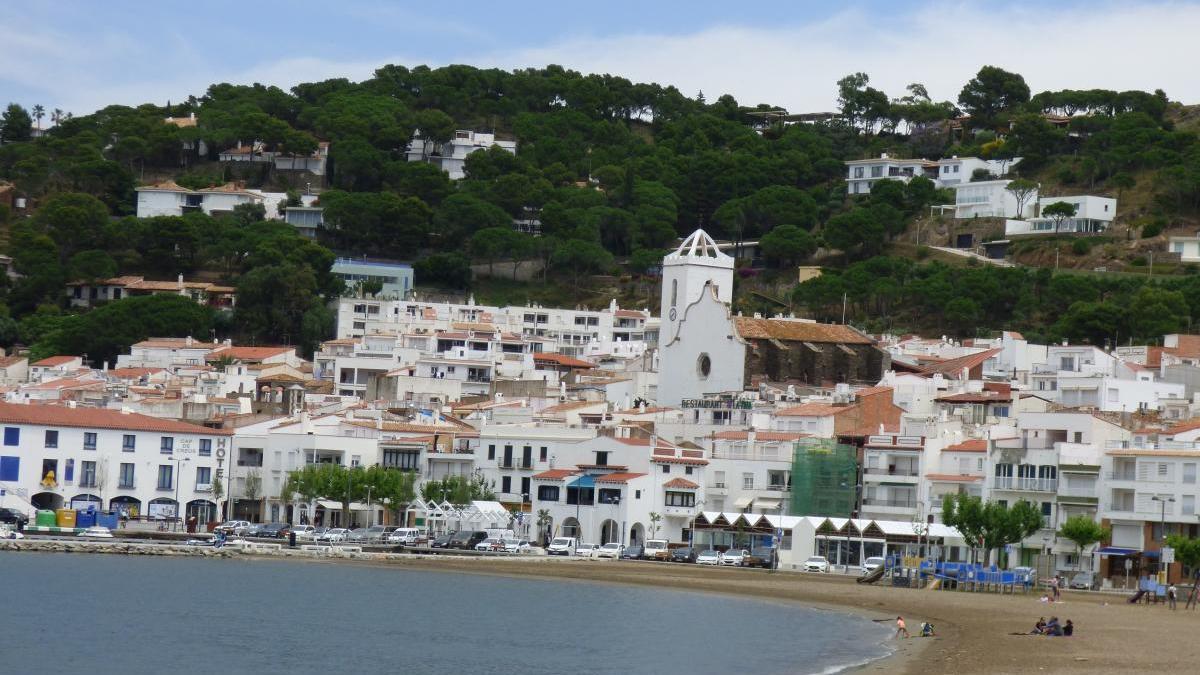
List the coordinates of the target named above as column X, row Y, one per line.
column 989, row 199
column 862, row 173
column 1092, row 215
column 451, row 156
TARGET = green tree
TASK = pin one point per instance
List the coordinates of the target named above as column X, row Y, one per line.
column 1187, row 550
column 75, row 222
column 15, row 124
column 857, row 229
column 461, row 215
column 1059, row 212
column 448, row 270
column 92, row 265
column 579, row 258
column 1083, row 531
column 1022, row 190
column 787, row 245
column 107, row 331
column 992, row 91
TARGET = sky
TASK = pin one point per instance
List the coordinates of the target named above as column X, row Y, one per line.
column 80, row 55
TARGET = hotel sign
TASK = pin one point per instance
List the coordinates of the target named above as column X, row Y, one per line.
column 717, row 404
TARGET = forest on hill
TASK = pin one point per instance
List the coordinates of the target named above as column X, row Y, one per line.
column 615, row 171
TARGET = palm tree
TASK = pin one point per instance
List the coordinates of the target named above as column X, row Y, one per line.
column 56, row 116
column 39, row 111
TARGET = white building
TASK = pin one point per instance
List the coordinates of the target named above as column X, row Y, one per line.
column 954, row 170
column 862, row 173
column 451, row 156
column 1188, row 248
column 1092, row 215
column 170, row 199
column 989, row 199
column 1087, row 376
column 55, row 456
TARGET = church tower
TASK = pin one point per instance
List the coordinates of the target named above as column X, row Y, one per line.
column 698, row 353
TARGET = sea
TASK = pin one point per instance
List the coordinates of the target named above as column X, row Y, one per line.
column 72, row 613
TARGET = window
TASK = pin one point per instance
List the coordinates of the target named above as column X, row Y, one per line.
column 527, row 457
column 166, row 476
column 858, row 172
column 203, row 476
column 89, row 440
column 876, row 171
column 778, row 480
column 542, row 453
column 506, row 484
column 126, row 479
column 128, row 443
column 491, row 452
column 1189, row 505
column 666, row 468
column 601, row 458
column 525, row 489
column 688, row 470
column 405, row 460
column 684, row 499
column 1066, row 363
column 747, row 481
column 206, row 447
column 1000, row 410
column 12, row 435
column 87, row 475
column 1114, row 395
column 508, row 458
column 547, row 493
column 1078, row 436
column 1189, row 473
column 703, row 366
column 167, row 446
column 718, row 479
column 637, row 494
column 674, row 292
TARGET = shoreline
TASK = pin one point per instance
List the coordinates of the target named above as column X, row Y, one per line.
column 976, row 632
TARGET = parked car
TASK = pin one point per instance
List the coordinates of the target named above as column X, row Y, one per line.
column 233, row 527
column 684, row 554
column 735, row 557
column 96, row 532
column 407, row 536
column 759, row 557
column 304, row 532
column 816, row 563
column 873, row 563
column 1084, row 581
column 587, row 550
column 561, row 546
column 516, row 546
column 610, row 550
column 632, row 553
column 14, row 517
column 250, row 530
column 375, row 534
column 442, row 540
column 490, row 544
column 466, row 539
column 709, row 556
column 656, row 549
column 273, row 530
column 334, row 535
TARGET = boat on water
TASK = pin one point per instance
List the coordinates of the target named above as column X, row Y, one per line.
column 96, row 532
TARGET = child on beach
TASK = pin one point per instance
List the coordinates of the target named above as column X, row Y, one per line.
column 900, row 627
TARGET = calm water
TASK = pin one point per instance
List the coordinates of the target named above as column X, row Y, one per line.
column 115, row 614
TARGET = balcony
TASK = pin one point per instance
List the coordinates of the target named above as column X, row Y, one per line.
column 203, row 487
column 1121, row 475
column 893, row 471
column 685, row 511
column 1025, row 484
column 892, row 503
column 506, row 464
column 125, row 485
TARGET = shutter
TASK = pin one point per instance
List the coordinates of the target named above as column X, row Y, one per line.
column 1127, row 536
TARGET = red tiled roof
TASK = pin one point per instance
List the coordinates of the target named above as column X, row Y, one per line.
column 11, row 360
column 976, row 397
column 620, row 477
column 1190, row 425
column 681, row 483
column 248, row 353
column 751, row 328
column 131, row 373
column 970, row 445
column 629, row 314
column 815, row 410
column 555, row 474
column 561, row 360
column 572, row 405
column 51, row 361
column 679, row 460
column 97, row 418
column 955, row 366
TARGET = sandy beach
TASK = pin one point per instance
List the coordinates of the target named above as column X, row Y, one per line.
column 973, row 628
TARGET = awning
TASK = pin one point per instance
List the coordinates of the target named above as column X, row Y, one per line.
column 584, row 481
column 742, row 502
column 1113, row 550
column 766, row 504
column 337, row 506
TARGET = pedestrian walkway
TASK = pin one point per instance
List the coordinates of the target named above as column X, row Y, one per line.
column 964, row 253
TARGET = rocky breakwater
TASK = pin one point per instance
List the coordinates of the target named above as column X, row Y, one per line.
column 121, row 547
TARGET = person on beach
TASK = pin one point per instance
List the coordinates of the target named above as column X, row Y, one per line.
column 1053, row 629
column 1040, row 626
column 1171, row 595
column 1068, row 629
column 1057, row 587
column 927, row 629
column 900, row 627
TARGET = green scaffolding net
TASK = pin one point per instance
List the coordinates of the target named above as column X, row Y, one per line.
column 824, row 476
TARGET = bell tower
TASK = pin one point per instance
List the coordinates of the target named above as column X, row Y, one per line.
column 696, row 263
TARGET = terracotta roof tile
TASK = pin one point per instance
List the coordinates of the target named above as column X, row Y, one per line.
column 620, row 477
column 248, row 353
column 952, row 367
column 97, row 418
column 1190, row 425
column 682, row 483
column 52, row 361
column 555, row 474
column 760, row 435
column 561, row 360
column 815, row 410
column 969, row 445
column 572, row 405
column 798, row 331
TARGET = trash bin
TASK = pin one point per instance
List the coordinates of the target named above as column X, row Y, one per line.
column 107, row 519
column 85, row 517
column 66, row 518
column 46, row 519
column 292, row 538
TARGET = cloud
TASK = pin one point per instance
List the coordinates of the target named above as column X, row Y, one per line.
column 1093, row 45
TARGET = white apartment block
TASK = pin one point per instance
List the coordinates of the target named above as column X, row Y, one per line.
column 862, row 173
column 1092, row 215
column 954, row 170
column 989, row 199
column 1087, row 376
column 451, row 156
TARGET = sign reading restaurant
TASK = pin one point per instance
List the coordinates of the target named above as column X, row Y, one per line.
column 719, row 403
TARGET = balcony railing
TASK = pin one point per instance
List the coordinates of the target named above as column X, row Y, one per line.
column 1121, row 475
column 506, row 464
column 902, row 503
column 892, row 471
column 203, row 487
column 1126, row 507
column 1025, row 484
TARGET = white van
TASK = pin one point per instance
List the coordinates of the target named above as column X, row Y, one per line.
column 656, row 549
column 495, row 533
column 561, row 546
column 408, row 536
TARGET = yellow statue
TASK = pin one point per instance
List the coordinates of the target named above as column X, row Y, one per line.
column 48, row 480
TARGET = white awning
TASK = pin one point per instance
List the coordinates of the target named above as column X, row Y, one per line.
column 337, row 506
column 742, row 502
column 766, row 504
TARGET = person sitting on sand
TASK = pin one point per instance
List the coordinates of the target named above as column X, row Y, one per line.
column 1053, row 628
column 1069, row 629
column 926, row 629
column 900, row 627
column 1040, row 626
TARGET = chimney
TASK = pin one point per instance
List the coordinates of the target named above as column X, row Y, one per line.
column 179, row 280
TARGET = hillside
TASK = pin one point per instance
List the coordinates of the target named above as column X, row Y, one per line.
column 612, row 172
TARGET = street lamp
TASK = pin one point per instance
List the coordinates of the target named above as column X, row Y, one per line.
column 1162, row 527
column 613, row 502
column 178, row 476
